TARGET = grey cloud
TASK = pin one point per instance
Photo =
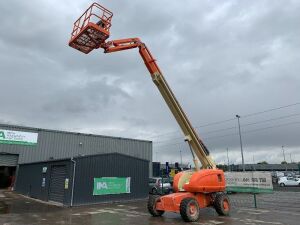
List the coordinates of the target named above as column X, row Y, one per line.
column 221, row 59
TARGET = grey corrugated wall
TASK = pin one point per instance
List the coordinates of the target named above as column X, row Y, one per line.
column 8, row 159
column 29, row 179
column 109, row 165
column 59, row 145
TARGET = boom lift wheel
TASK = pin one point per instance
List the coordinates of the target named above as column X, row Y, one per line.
column 222, row 204
column 154, row 191
column 189, row 210
column 153, row 199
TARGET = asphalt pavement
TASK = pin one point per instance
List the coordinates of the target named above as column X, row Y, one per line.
column 276, row 187
column 277, row 209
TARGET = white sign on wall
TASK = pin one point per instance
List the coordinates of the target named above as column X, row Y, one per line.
column 254, row 182
column 18, row 137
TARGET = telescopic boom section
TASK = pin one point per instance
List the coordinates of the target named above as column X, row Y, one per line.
column 190, row 134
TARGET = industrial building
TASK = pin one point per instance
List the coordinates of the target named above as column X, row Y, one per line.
column 44, row 162
column 78, row 181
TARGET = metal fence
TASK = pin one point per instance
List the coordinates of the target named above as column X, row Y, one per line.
column 284, row 200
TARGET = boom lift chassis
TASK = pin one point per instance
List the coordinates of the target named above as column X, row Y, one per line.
column 192, row 189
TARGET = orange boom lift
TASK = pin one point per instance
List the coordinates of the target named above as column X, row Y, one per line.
column 192, row 189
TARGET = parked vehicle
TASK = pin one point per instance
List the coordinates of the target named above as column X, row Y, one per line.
column 159, row 186
column 279, row 174
column 289, row 181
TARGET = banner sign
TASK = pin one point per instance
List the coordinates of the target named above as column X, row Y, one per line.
column 111, row 185
column 253, row 182
column 18, row 137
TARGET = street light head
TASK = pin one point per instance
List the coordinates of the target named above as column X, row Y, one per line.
column 237, row 116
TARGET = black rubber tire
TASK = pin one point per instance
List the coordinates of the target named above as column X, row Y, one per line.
column 153, row 199
column 281, row 184
column 219, row 204
column 185, row 210
column 154, row 191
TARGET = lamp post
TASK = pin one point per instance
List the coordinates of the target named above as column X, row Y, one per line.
column 180, row 158
column 253, row 163
column 284, row 157
column 243, row 163
column 228, row 160
column 283, row 153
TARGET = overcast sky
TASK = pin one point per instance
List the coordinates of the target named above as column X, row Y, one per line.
column 221, row 58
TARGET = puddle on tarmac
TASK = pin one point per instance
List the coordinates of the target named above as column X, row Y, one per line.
column 4, row 208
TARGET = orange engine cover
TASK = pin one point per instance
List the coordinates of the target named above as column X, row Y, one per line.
column 206, row 180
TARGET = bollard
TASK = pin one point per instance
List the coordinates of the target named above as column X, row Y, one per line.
column 255, row 203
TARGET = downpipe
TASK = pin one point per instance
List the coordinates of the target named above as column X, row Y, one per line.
column 73, row 180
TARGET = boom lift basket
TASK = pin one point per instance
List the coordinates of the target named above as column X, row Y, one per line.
column 91, row 29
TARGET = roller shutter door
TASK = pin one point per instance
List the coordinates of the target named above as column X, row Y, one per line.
column 9, row 160
column 58, row 175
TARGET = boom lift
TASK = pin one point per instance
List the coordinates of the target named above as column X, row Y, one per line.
column 192, row 189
